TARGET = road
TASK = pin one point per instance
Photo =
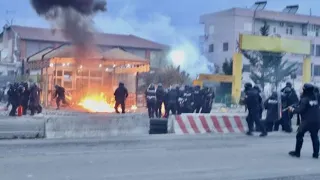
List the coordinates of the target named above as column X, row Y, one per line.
column 201, row 157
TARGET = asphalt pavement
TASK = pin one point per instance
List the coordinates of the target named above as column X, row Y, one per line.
column 169, row 157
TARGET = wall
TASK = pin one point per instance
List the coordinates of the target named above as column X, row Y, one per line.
column 219, row 29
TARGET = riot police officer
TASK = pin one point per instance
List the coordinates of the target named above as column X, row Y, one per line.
column 308, row 108
column 188, row 100
column 208, row 100
column 257, row 88
column 198, row 99
column 271, row 105
column 160, row 96
column 253, row 104
column 172, row 101
column 151, row 99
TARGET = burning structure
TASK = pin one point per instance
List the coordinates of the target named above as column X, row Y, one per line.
column 91, row 80
column 88, row 72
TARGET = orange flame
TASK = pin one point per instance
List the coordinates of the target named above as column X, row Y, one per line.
column 96, row 103
column 99, row 104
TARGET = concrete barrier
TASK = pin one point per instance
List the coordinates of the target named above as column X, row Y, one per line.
column 22, row 127
column 208, row 123
column 97, row 126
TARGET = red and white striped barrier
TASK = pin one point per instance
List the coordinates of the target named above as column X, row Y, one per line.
column 208, row 123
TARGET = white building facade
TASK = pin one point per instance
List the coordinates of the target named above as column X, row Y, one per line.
column 222, row 30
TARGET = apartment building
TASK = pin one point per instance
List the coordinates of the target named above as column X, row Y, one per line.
column 222, row 30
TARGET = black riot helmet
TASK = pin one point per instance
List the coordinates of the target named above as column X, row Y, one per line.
column 247, row 86
column 308, row 88
column 288, row 84
column 274, row 94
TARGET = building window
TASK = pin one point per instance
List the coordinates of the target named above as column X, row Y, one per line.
column 316, row 70
column 211, row 48
column 225, row 47
column 317, row 50
column 211, row 29
column 312, row 50
column 247, row 27
column 274, row 29
column 246, row 68
column 289, row 30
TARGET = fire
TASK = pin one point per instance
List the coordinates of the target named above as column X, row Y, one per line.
column 99, row 103
column 96, row 103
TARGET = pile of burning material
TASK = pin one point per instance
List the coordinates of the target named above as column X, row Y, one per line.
column 98, row 103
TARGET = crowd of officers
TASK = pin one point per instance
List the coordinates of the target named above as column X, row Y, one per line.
column 176, row 100
column 280, row 109
column 20, row 95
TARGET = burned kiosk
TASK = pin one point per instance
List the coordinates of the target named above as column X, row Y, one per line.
column 90, row 81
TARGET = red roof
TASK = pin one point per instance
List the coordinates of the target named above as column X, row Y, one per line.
column 131, row 41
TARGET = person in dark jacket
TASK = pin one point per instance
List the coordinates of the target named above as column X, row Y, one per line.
column 25, row 98
column 9, row 94
column 198, row 99
column 151, row 99
column 60, row 95
column 34, row 100
column 188, row 100
column 253, row 104
column 172, row 99
column 160, row 94
column 14, row 98
column 271, row 105
column 120, row 94
column 257, row 88
column 208, row 100
column 308, row 108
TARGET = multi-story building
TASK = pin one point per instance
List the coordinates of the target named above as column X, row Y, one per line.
column 222, row 30
column 18, row 43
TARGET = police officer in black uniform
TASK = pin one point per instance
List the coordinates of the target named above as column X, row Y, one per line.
column 172, row 101
column 257, row 88
column 151, row 99
column 271, row 105
column 188, row 100
column 208, row 94
column 198, row 99
column 308, row 108
column 160, row 94
column 289, row 98
column 253, row 104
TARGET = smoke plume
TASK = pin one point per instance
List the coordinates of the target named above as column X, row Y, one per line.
column 73, row 17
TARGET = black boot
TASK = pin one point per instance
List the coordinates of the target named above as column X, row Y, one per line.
column 294, row 154
column 315, row 156
column 264, row 134
column 249, row 133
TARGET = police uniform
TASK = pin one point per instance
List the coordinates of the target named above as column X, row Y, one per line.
column 252, row 101
column 271, row 105
column 308, row 108
column 151, row 100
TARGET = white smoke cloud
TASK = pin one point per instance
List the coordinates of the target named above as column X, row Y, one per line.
column 159, row 28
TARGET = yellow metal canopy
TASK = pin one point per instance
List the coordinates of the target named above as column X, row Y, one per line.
column 274, row 44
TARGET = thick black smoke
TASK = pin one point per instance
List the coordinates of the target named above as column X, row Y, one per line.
column 85, row 7
column 73, row 17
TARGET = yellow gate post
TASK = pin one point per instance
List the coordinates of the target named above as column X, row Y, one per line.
column 237, row 77
column 306, row 72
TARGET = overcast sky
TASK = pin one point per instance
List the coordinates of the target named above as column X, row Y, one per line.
column 158, row 20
